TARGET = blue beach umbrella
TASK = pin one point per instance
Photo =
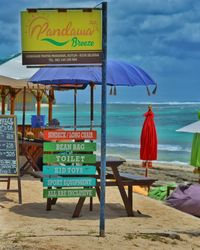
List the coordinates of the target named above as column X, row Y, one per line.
column 118, row 74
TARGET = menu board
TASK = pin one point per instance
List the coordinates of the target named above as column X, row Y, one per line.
column 8, row 146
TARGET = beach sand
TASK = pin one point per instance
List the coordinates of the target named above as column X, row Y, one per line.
column 165, row 173
column 30, row 226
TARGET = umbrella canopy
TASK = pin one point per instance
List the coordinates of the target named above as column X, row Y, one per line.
column 191, row 128
column 148, row 139
column 118, row 74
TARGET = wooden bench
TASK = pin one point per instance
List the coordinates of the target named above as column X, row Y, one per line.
column 137, row 180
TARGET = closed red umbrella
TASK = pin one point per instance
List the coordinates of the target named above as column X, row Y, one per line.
column 148, row 140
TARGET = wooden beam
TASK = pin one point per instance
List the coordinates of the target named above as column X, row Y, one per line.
column 51, row 100
column 3, row 100
column 13, row 93
column 39, row 98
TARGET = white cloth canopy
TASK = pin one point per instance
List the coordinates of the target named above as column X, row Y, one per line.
column 7, row 81
column 13, row 68
column 191, row 128
column 15, row 75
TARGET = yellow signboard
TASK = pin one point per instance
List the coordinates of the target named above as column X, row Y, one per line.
column 67, row 37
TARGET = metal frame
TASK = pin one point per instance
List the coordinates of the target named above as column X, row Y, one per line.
column 17, row 175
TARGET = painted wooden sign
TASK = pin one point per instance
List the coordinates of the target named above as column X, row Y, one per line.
column 62, row 135
column 61, row 193
column 68, row 158
column 70, row 146
column 69, row 170
column 61, row 151
column 8, row 146
column 61, row 37
column 69, row 182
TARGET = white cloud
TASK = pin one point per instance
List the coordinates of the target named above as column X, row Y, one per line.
column 162, row 37
column 189, row 32
column 160, row 23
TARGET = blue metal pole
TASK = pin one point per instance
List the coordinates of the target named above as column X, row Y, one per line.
column 103, row 120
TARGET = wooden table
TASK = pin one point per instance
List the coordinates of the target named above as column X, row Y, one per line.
column 32, row 150
column 115, row 178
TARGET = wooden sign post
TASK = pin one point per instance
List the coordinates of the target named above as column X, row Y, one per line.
column 9, row 156
column 73, row 179
column 93, row 52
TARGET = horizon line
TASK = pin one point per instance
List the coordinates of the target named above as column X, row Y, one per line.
column 140, row 103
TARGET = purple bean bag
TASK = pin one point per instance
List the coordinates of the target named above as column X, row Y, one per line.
column 186, row 198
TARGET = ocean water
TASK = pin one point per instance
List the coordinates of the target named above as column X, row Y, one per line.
column 124, row 125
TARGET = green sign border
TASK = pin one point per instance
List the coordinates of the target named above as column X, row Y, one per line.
column 69, row 193
column 69, row 146
column 69, row 182
column 69, row 170
column 69, row 158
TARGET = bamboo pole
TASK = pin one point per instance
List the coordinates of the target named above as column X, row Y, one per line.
column 3, row 100
column 24, row 113
column 39, row 98
column 12, row 102
column 51, row 100
column 13, row 93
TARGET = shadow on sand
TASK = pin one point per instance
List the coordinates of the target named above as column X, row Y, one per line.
column 65, row 211
column 3, row 198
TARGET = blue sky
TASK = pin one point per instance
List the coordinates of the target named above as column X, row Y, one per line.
column 162, row 37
